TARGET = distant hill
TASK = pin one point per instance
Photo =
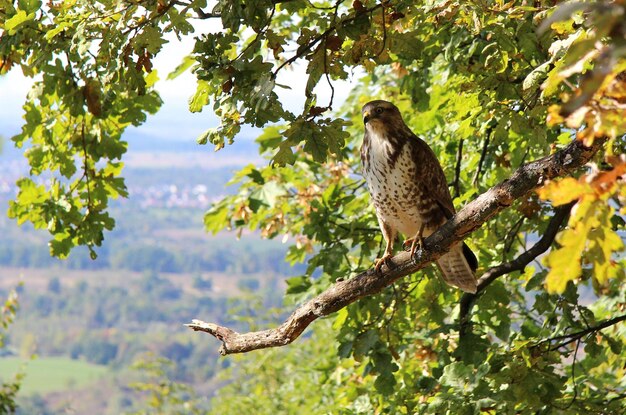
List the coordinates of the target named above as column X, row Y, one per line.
column 138, row 141
column 145, row 151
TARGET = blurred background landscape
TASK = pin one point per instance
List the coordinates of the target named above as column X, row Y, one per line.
column 83, row 323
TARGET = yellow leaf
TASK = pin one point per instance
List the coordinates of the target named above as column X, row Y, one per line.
column 582, row 211
column 604, row 241
column 607, row 243
column 565, row 262
column 563, row 191
column 589, row 239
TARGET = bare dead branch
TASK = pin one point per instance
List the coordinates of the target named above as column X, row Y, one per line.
column 471, row 217
column 518, row 264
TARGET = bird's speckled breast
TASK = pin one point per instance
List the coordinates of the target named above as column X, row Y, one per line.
column 391, row 178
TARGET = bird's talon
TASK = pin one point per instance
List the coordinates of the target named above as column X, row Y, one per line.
column 406, row 245
column 380, row 261
column 418, row 243
column 412, row 245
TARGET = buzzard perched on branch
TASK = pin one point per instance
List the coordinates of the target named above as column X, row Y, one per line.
column 409, row 190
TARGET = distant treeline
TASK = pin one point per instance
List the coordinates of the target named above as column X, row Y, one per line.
column 112, row 325
column 246, row 257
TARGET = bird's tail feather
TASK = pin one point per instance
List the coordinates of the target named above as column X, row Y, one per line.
column 456, row 270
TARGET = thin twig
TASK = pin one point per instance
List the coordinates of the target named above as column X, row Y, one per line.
column 302, row 50
column 330, row 84
column 483, row 155
column 204, row 15
column 258, row 35
column 509, row 239
column 148, row 20
column 571, row 337
column 574, row 375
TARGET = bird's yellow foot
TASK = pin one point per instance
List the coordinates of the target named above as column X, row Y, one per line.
column 413, row 244
column 380, row 261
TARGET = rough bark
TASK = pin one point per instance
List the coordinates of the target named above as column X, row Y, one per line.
column 471, row 217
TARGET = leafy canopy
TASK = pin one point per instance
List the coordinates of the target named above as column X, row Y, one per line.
column 489, row 85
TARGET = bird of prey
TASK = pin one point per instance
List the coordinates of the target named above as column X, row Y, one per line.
column 409, row 190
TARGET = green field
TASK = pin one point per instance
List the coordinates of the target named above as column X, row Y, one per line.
column 50, row 374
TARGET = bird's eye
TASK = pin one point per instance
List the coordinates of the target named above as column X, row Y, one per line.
column 379, row 110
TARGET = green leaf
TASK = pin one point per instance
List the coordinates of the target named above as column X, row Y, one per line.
column 356, row 27
column 269, row 193
column 201, row 96
column 315, row 69
column 336, row 135
column 61, row 245
column 385, row 384
column 20, row 18
column 317, row 145
column 270, row 138
column 217, row 218
column 50, row 34
column 458, row 375
column 614, row 345
column 533, row 80
column 187, row 62
column 495, row 58
column 256, row 176
column 30, row 6
column 342, row 316
column 206, row 136
column 151, row 38
column 284, row 155
column 297, row 285
column 364, row 342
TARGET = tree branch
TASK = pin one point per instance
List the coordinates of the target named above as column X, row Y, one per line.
column 468, row 219
column 576, row 336
column 518, row 264
column 206, row 15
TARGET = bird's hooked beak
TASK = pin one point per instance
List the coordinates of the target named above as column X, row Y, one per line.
column 366, row 117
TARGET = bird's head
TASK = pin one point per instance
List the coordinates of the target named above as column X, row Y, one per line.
column 377, row 114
